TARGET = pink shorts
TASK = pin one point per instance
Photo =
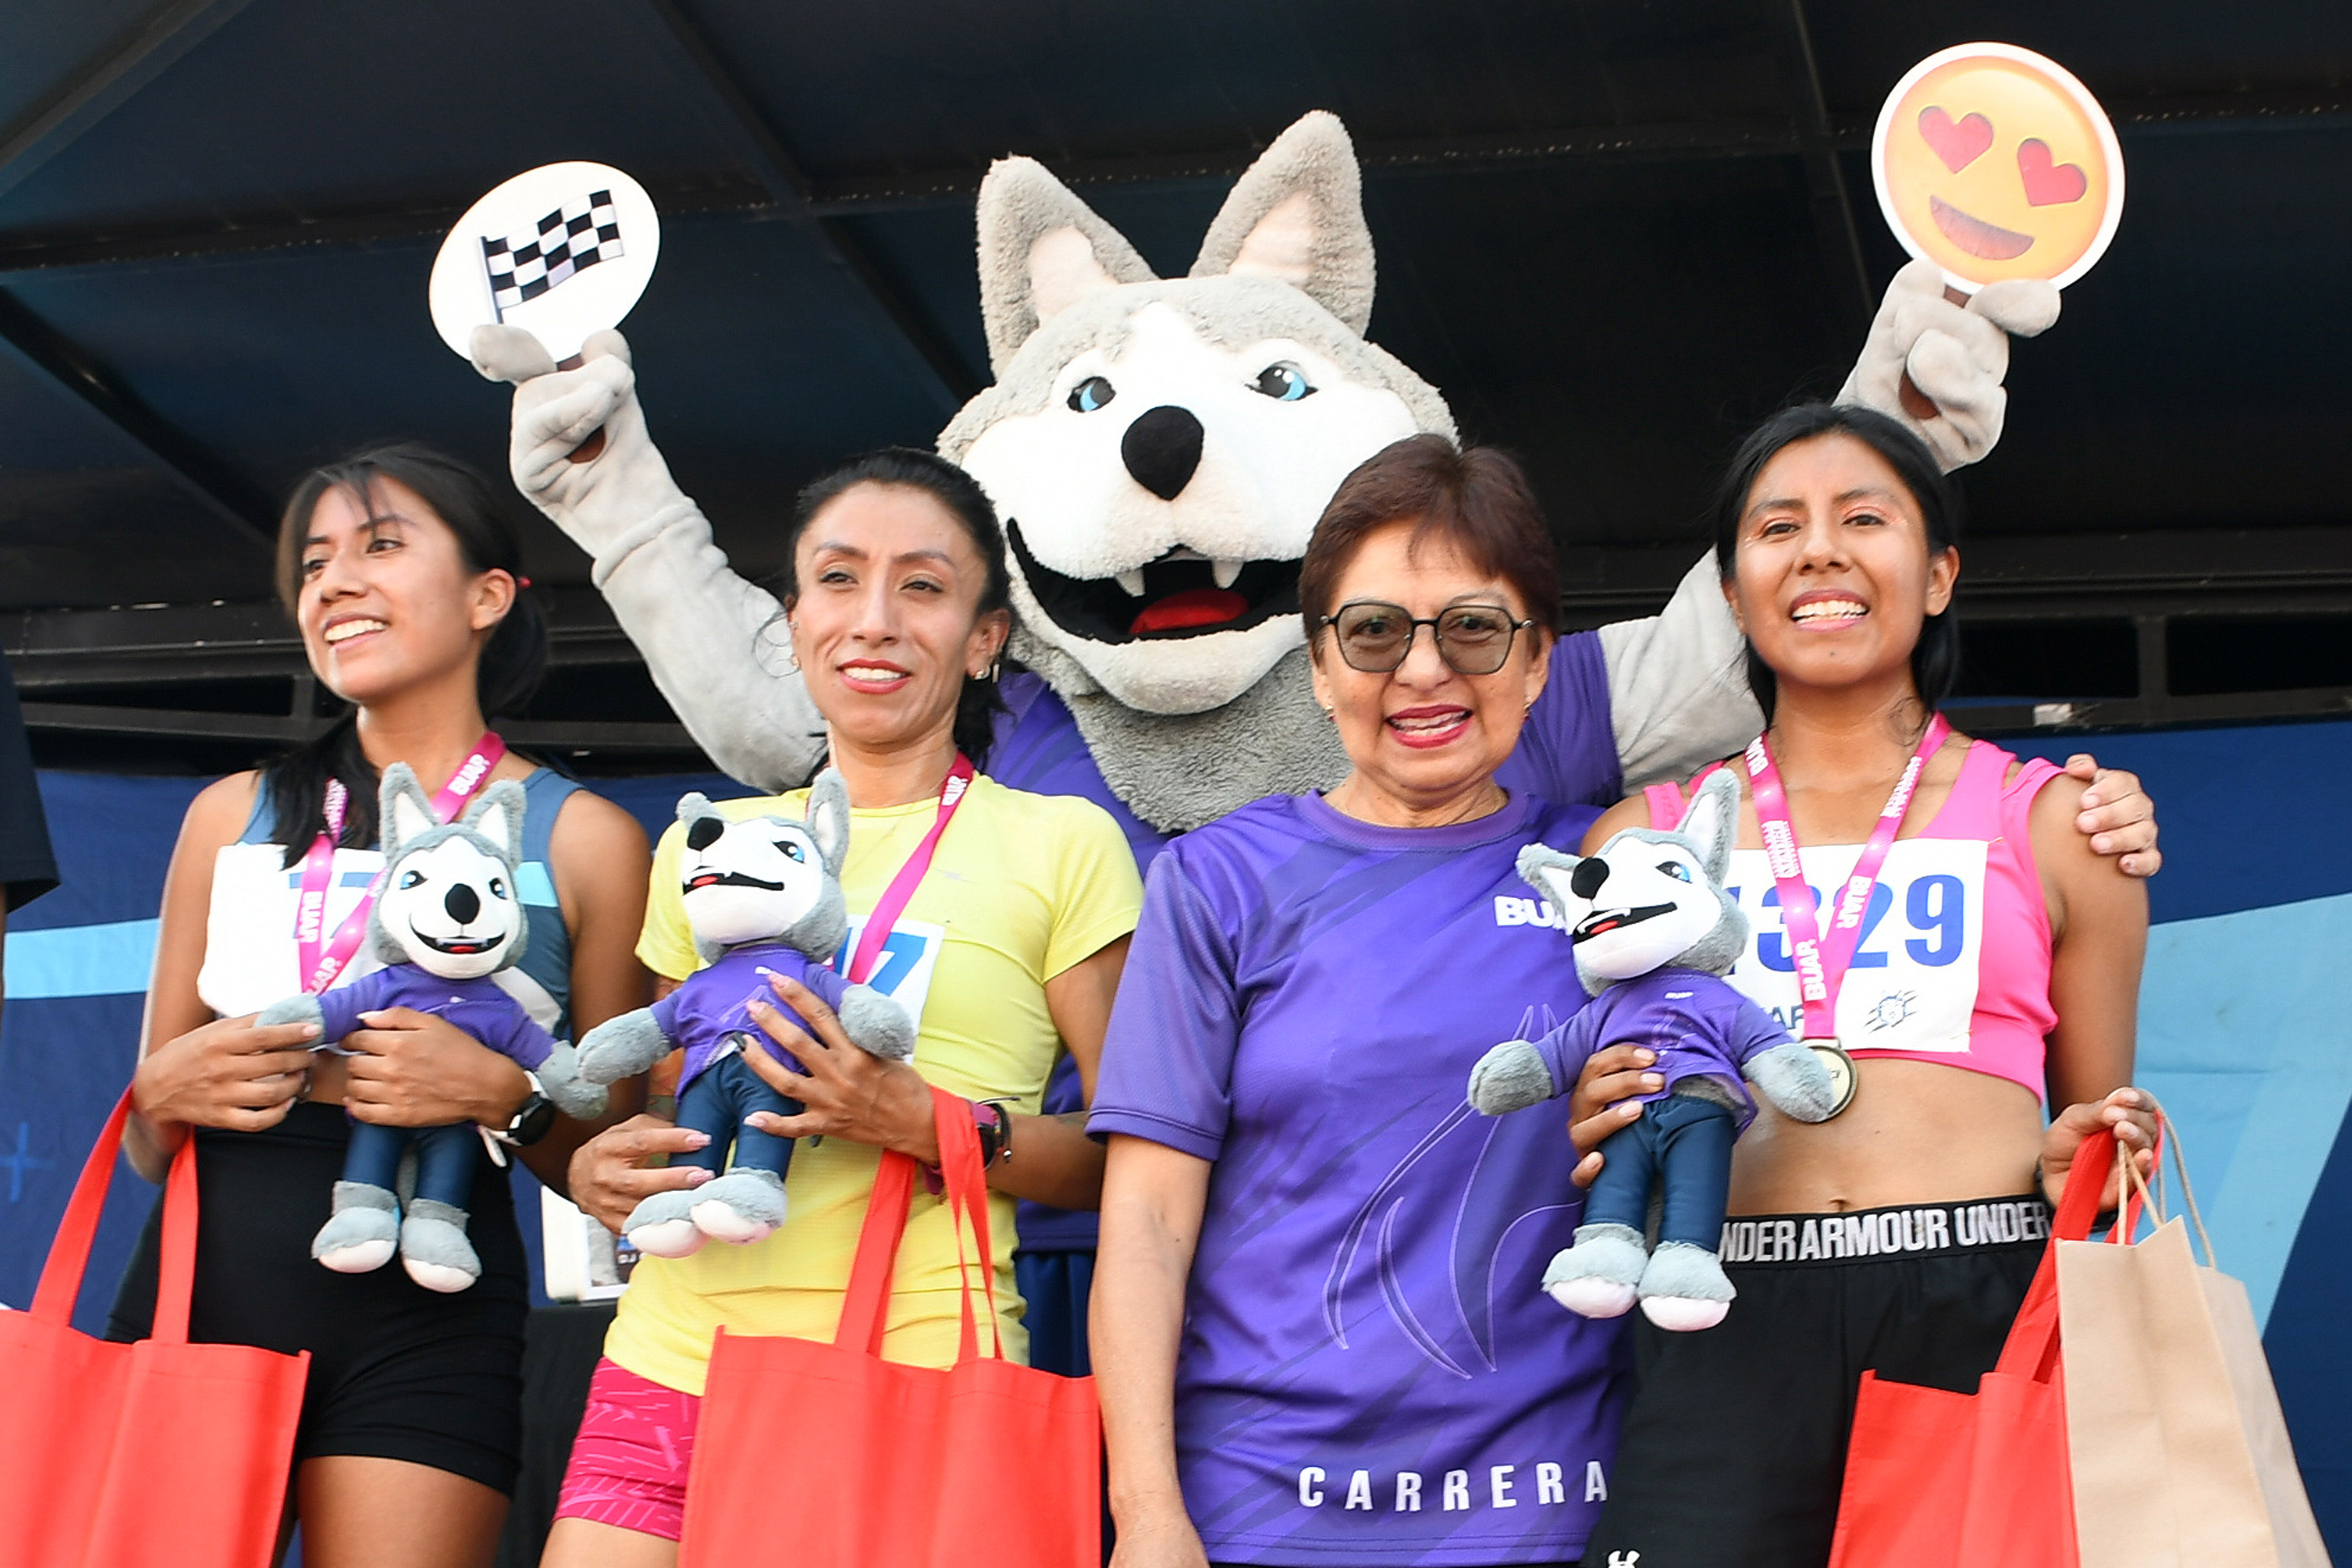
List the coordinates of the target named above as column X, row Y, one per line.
column 628, row 1464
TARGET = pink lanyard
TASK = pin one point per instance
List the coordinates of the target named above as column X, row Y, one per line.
column 895, row 897
column 1822, row 968
column 324, row 961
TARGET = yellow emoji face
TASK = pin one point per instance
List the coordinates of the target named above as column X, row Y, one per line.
column 1993, row 162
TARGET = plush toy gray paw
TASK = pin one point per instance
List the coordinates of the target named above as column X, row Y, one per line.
column 1510, row 1077
column 362, row 1229
column 302, row 1009
column 574, row 1095
column 434, row 1248
column 1685, row 1288
column 1793, row 1077
column 1598, row 1277
column 620, row 1048
column 875, row 1025
column 743, row 1205
column 663, row 1225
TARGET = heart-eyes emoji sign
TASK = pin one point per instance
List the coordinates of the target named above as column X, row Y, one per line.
column 1992, row 162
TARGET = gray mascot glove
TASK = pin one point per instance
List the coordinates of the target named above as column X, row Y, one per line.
column 716, row 644
column 1956, row 354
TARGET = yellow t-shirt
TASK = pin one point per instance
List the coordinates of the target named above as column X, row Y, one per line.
column 1022, row 888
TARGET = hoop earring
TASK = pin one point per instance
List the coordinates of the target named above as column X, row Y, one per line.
column 792, row 654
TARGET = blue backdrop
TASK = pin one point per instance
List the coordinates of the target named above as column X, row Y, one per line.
column 2244, row 1030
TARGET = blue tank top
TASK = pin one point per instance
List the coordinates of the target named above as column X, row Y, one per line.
column 547, row 957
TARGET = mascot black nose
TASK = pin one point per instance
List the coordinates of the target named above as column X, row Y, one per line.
column 462, row 902
column 1586, row 879
column 1162, row 448
column 703, row 832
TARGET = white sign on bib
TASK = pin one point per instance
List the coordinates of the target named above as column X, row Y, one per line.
column 1912, row 984
column 911, row 955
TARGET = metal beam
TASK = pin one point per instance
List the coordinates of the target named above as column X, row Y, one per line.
column 39, row 348
column 1831, row 205
column 933, row 359
column 93, row 718
column 729, row 198
column 169, row 32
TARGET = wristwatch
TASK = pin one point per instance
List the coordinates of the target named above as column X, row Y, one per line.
column 533, row 1117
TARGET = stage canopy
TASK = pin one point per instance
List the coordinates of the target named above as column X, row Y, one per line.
column 1613, row 235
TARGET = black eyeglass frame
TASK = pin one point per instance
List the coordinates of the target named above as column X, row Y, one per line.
column 1413, row 629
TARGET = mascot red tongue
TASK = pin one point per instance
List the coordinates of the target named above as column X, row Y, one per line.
column 1193, row 607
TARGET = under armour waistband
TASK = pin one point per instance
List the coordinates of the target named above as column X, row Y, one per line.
column 1917, row 1230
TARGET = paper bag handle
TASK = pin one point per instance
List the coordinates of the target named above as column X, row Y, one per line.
column 69, row 1260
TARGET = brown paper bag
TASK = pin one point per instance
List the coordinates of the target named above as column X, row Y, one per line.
column 2179, row 1453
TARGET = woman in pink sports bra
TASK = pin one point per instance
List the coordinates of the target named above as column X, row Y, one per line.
column 1995, row 972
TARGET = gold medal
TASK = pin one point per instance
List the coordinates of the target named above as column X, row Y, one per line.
column 1839, row 1066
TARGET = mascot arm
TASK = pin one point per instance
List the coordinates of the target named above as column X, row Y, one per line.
column 713, row 641
column 1937, row 366
column 1678, row 696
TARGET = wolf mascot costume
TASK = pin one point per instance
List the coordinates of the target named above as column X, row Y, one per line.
column 1159, row 450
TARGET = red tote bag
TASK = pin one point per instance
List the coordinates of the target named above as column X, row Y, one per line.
column 1938, row 1480
column 158, row 1451
column 982, row 1459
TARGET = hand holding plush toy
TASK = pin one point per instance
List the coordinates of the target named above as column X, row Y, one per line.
column 1655, row 933
column 764, row 896
column 445, row 918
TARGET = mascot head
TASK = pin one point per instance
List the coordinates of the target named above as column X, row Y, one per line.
column 1159, row 450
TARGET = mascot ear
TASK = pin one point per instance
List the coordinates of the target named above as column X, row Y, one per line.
column 1041, row 251
column 1297, row 217
column 828, row 817
column 1711, row 823
column 403, row 809
column 498, row 817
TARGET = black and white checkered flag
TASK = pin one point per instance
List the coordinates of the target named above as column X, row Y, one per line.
column 568, row 241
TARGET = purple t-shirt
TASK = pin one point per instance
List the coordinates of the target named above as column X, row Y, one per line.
column 1369, row 1371
column 478, row 1006
column 1567, row 753
column 1698, row 1024
column 714, row 1003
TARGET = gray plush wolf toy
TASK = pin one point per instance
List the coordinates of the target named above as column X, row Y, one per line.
column 763, row 898
column 1655, row 933
column 447, row 918
column 1159, row 450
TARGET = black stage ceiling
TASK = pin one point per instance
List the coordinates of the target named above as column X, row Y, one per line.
column 1614, row 233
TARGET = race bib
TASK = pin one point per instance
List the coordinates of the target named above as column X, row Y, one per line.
column 1913, row 983
column 910, row 954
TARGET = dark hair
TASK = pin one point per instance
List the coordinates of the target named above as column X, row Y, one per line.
column 1476, row 498
column 1936, row 658
column 910, row 468
column 512, row 661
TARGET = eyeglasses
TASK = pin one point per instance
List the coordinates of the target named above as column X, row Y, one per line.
column 1473, row 640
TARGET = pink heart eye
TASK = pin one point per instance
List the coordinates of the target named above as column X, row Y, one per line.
column 2047, row 184
column 1958, row 145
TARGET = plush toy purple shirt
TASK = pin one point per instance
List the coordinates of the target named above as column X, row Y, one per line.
column 1365, row 1376
column 1697, row 1023
column 478, row 1006
column 712, row 1004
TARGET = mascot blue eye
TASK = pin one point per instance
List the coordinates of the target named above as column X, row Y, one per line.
column 1091, row 393
column 1676, row 870
column 412, row 878
column 1283, row 382
column 498, row 888
column 793, row 850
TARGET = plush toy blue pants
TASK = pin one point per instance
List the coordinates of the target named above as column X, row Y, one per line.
column 1683, row 1145
column 444, row 1159
column 716, row 1102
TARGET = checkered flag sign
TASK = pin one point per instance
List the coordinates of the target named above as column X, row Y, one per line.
column 566, row 242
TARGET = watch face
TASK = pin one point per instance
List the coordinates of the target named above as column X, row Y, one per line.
column 532, row 1122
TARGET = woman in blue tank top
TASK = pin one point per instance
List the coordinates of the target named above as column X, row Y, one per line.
column 403, row 577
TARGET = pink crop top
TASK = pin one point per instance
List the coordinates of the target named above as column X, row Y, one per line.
column 1953, row 963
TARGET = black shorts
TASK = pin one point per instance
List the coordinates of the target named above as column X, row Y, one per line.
column 397, row 1372
column 1734, row 1448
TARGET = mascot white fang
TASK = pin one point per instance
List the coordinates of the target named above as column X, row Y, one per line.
column 1159, row 450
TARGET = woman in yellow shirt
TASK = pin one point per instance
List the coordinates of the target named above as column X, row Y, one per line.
column 1008, row 953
